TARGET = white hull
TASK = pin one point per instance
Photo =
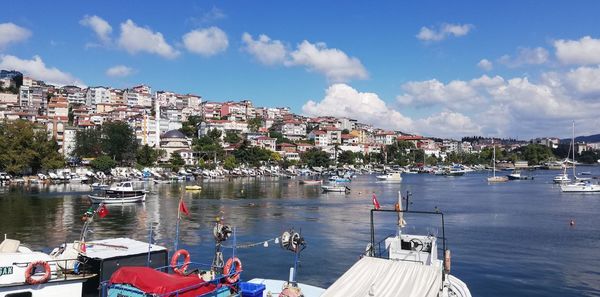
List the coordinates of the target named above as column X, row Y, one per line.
column 580, row 188
column 117, row 200
column 53, row 288
column 334, row 189
column 497, row 179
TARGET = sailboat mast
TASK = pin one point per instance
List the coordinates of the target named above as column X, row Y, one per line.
column 573, row 144
column 494, row 158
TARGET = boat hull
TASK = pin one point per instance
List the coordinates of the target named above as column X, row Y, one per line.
column 334, row 189
column 117, row 200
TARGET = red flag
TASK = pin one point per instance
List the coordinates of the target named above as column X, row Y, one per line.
column 375, row 202
column 102, row 212
column 183, row 208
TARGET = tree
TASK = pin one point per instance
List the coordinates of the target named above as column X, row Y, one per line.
column 147, row 156
column 229, row 163
column 254, row 124
column 176, row 162
column 119, row 141
column 346, row 157
column 190, row 127
column 232, row 137
column 316, row 158
column 103, row 163
column 88, row 143
column 252, row 155
column 345, row 131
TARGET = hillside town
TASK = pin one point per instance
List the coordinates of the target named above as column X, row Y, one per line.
column 158, row 117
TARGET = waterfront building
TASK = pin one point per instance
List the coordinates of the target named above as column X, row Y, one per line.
column 173, row 141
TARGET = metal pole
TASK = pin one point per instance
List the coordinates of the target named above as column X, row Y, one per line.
column 149, row 245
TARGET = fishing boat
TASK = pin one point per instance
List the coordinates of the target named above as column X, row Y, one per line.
column 193, row 188
column 122, row 192
column 494, row 178
column 579, row 185
column 24, row 272
column 310, row 182
column 391, row 176
column 516, row 175
column 335, row 188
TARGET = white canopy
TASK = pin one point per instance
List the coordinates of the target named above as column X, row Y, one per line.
column 382, row 278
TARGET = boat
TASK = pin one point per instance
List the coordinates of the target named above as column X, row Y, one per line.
column 338, row 179
column 516, row 175
column 494, row 178
column 579, row 185
column 160, row 181
column 454, row 171
column 310, row 182
column 193, row 188
column 585, row 173
column 390, row 176
column 122, row 192
column 562, row 178
column 99, row 186
column 24, row 272
column 335, row 188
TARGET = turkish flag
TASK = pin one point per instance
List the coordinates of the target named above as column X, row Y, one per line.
column 102, row 212
column 375, row 202
column 183, row 208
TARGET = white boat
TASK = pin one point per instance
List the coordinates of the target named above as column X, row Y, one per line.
column 310, row 182
column 24, row 272
column 579, row 185
column 335, row 188
column 99, row 186
column 391, row 176
column 494, row 178
column 121, row 193
column 516, row 175
column 562, row 178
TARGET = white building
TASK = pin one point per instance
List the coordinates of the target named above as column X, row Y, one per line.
column 222, row 125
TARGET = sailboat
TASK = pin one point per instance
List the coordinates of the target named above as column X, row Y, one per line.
column 494, row 178
column 579, row 185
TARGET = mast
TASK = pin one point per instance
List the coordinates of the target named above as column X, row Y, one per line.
column 573, row 145
column 494, row 158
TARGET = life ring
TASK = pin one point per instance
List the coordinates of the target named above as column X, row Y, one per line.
column 29, row 273
column 227, row 270
column 186, row 261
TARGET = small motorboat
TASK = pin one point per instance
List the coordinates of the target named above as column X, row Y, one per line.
column 193, row 188
column 339, row 179
column 516, row 175
column 99, row 186
column 335, row 188
column 121, row 193
column 391, row 176
column 24, row 272
column 585, row 173
column 310, row 182
column 561, row 179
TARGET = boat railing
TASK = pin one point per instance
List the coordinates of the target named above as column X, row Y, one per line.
column 80, row 268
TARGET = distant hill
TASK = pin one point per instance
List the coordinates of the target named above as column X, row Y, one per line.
column 586, row 139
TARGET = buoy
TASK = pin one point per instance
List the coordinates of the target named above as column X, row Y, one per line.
column 572, row 222
column 276, row 240
column 266, row 244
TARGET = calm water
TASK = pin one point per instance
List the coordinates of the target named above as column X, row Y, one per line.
column 510, row 239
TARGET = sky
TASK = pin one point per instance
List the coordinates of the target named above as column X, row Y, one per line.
column 518, row 69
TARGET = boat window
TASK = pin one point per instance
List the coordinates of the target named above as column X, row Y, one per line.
column 22, row 294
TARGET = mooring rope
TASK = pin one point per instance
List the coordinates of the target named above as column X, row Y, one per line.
column 264, row 243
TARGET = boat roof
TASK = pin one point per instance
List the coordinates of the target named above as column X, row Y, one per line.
column 382, row 278
column 118, row 247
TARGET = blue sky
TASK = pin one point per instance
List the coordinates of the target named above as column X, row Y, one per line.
column 372, row 66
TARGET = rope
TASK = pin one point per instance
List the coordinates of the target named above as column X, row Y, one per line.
column 250, row 245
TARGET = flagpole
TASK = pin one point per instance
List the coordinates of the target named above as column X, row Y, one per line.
column 178, row 219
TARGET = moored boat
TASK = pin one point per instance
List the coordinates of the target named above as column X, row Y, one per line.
column 121, row 193
column 494, row 178
column 193, row 188
column 391, row 176
column 310, row 182
column 335, row 188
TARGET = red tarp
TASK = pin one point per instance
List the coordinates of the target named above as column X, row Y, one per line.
column 149, row 280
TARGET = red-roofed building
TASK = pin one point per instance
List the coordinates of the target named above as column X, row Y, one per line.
column 265, row 142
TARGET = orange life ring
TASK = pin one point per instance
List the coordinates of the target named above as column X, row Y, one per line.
column 29, row 275
column 186, row 261
column 227, row 270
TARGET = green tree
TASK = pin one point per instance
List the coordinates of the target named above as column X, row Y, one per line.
column 315, row 158
column 119, row 141
column 176, row 162
column 88, row 143
column 345, row 131
column 232, row 137
column 229, row 163
column 190, row 127
column 346, row 157
column 252, row 155
column 147, row 156
column 103, row 163
column 254, row 124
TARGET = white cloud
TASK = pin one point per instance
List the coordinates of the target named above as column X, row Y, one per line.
column 37, row 69
column 526, row 56
column 456, row 95
column 485, row 65
column 99, row 26
column 342, row 100
column 135, row 39
column 584, row 51
column 11, row 33
column 119, row 71
column 206, row 42
column 443, row 32
column 585, row 80
column 332, row 62
column 265, row 50
column 448, row 124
